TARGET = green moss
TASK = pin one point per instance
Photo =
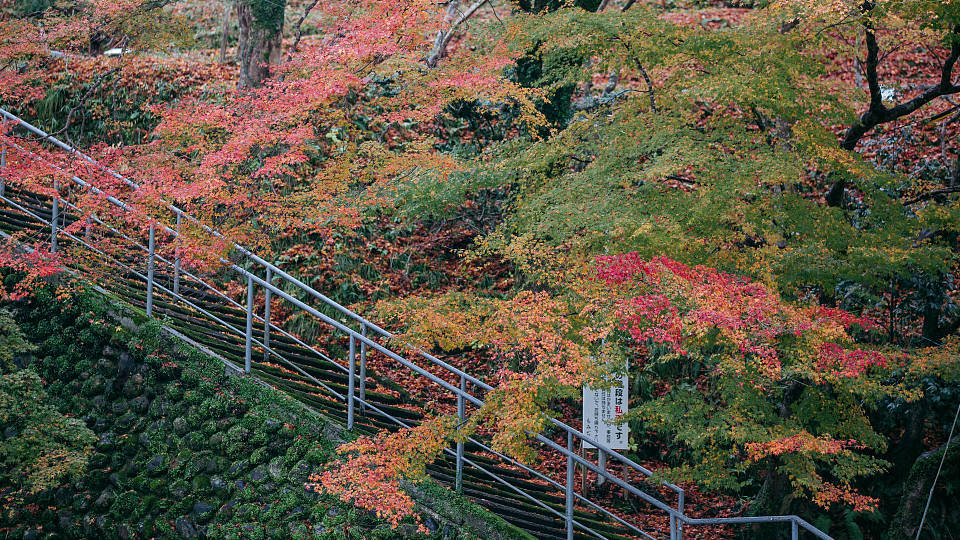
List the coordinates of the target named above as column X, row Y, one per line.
column 470, row 513
column 125, row 505
column 267, row 14
column 188, row 439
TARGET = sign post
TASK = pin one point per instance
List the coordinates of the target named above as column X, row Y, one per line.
column 602, row 409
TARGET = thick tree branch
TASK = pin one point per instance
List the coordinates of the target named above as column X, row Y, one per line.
column 650, row 90
column 787, row 26
column 873, row 79
column 932, row 194
column 878, row 114
column 443, row 38
column 681, row 179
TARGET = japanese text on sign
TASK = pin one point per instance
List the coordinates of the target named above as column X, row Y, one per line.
column 602, row 409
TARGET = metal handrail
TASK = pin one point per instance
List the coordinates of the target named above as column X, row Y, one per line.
column 239, row 332
column 677, row 515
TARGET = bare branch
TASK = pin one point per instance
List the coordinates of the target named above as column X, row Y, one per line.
column 83, row 100
column 443, row 38
column 878, row 114
column 296, row 41
column 496, row 15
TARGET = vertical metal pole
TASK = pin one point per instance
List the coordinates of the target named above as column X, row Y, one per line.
column 53, row 218
column 3, row 163
column 673, row 527
column 363, row 368
column 680, row 501
column 266, row 317
column 626, row 478
column 351, row 381
column 461, row 412
column 151, row 249
column 176, row 262
column 249, row 349
column 602, row 463
column 569, row 491
column 794, row 530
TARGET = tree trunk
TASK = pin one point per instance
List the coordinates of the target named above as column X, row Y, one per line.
column 223, row 34
column 931, row 325
column 775, row 498
column 944, row 513
column 904, row 451
column 259, row 46
column 776, row 492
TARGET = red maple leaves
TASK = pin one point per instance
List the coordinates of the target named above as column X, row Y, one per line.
column 674, row 304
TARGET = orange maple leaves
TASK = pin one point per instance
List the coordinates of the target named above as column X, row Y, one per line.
column 751, row 344
column 370, row 476
column 799, row 442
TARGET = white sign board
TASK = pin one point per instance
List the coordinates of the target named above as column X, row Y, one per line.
column 602, row 409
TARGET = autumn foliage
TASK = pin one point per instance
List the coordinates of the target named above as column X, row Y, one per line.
column 374, row 467
column 31, row 265
column 755, row 208
column 726, row 351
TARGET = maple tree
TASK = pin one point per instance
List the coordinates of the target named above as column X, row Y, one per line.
column 28, row 266
column 45, row 447
column 370, row 477
column 719, row 143
column 741, row 379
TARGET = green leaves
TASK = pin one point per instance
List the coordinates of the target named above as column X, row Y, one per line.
column 12, row 342
column 41, row 447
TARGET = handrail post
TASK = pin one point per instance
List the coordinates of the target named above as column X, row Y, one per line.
column 266, row 317
column 3, row 163
column 794, row 530
column 176, row 262
column 680, row 501
column 351, row 381
column 461, row 412
column 363, row 368
column 151, row 253
column 249, row 346
column 569, row 490
column 602, row 463
column 54, row 213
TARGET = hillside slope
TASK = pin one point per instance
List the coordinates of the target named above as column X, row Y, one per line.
column 186, row 450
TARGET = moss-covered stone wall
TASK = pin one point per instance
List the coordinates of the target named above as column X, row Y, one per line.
column 184, row 449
